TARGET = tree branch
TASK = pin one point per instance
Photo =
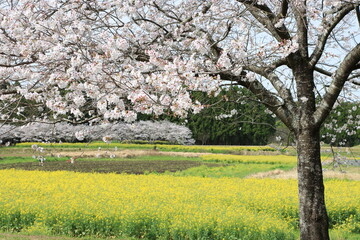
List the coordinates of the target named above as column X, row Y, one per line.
column 228, row 29
column 284, row 8
column 151, row 21
column 329, row 26
column 267, row 18
column 283, row 92
column 356, row 82
column 165, row 12
column 8, row 36
column 322, row 71
column 16, row 64
column 32, row 57
column 340, row 77
column 300, row 12
column 265, row 96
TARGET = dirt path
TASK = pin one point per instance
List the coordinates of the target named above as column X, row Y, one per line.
column 16, row 236
column 292, row 174
column 9, row 236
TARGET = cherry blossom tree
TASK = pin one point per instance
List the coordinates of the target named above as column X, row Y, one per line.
column 112, row 59
column 64, row 132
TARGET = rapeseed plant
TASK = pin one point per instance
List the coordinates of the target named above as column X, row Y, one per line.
column 163, row 207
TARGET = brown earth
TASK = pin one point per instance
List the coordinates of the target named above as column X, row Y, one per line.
column 124, row 153
column 9, row 236
column 292, row 174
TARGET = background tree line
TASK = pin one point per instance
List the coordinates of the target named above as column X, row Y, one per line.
column 233, row 117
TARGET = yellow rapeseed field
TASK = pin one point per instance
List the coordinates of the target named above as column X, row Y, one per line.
column 163, row 207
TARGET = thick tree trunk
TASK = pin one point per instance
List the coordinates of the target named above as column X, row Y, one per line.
column 313, row 216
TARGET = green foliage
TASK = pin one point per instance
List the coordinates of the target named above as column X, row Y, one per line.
column 7, row 160
column 16, row 221
column 250, row 125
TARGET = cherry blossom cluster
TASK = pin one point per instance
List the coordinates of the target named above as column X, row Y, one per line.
column 232, row 113
column 337, row 132
column 125, row 57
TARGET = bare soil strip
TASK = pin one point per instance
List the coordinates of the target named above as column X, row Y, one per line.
column 292, row 174
column 123, row 153
column 9, row 236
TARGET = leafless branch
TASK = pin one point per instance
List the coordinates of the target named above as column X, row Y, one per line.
column 340, row 77
column 267, row 18
column 284, row 8
column 283, row 92
column 356, row 82
column 323, row 71
column 328, row 27
column 265, row 96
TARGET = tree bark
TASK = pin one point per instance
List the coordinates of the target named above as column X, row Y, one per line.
column 313, row 216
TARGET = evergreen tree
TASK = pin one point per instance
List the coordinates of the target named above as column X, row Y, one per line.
column 231, row 118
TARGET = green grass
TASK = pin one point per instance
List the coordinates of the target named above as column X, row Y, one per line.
column 8, row 160
column 239, row 170
column 145, row 158
column 343, row 235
